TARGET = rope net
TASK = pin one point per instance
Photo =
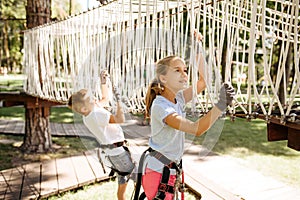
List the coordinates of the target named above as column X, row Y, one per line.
column 252, row 44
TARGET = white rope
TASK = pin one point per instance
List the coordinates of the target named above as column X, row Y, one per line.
column 129, row 37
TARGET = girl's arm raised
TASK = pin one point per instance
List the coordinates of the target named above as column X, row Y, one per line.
column 204, row 123
column 119, row 117
column 104, row 89
column 201, row 85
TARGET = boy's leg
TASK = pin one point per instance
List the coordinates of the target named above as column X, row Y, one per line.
column 121, row 191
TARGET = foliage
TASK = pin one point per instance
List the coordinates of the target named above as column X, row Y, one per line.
column 12, row 25
column 11, row 83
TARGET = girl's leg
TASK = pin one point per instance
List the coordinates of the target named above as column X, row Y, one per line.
column 121, row 191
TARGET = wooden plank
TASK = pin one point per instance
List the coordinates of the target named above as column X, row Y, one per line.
column 3, row 124
column 59, row 131
column 68, row 129
column 83, row 170
column 20, row 127
column 203, row 171
column 207, row 188
column 9, row 126
column 16, row 124
column 67, row 179
column 100, row 172
column 82, row 130
column 49, row 182
column 4, row 187
column 31, row 184
column 13, row 178
column 53, row 129
column 194, row 185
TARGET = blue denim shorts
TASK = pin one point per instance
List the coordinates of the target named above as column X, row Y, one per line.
column 123, row 163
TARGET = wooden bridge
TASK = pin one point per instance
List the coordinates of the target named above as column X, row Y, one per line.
column 213, row 176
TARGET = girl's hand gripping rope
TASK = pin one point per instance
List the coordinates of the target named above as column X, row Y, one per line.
column 226, row 96
column 104, row 76
column 116, row 93
column 198, row 36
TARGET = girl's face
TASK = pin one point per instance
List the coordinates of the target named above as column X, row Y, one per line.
column 176, row 77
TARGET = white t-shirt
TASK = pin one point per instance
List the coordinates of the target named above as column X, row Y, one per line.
column 165, row 139
column 106, row 133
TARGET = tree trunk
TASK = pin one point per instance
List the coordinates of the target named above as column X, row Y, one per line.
column 38, row 12
column 37, row 126
column 37, row 132
column 6, row 45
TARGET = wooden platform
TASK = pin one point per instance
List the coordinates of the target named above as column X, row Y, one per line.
column 214, row 177
column 41, row 180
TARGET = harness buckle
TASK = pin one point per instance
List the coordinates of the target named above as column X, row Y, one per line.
column 163, row 187
column 181, row 187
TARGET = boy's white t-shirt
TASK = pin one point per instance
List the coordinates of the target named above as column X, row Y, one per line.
column 97, row 122
column 165, row 139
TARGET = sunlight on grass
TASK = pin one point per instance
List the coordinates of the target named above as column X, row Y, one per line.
column 11, row 82
column 13, row 113
column 279, row 167
column 247, row 143
column 61, row 114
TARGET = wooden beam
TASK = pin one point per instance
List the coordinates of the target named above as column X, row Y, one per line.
column 29, row 101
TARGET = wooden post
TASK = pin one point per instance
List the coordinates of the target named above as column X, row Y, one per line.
column 277, row 132
column 294, row 139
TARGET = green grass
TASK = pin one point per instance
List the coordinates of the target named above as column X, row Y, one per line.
column 12, row 82
column 60, row 114
column 14, row 113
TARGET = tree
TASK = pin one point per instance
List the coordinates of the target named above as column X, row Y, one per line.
column 12, row 18
column 37, row 125
column 37, row 111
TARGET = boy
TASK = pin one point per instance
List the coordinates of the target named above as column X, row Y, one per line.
column 104, row 126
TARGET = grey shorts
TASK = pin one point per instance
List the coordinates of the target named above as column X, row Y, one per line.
column 123, row 163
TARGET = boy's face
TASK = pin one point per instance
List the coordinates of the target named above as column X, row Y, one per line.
column 88, row 105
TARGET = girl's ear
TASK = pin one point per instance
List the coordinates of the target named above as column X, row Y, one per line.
column 162, row 78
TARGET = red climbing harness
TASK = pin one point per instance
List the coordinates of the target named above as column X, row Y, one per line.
column 164, row 186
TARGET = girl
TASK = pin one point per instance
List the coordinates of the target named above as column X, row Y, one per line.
column 165, row 99
column 104, row 125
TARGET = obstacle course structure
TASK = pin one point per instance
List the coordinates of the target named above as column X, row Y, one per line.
column 255, row 45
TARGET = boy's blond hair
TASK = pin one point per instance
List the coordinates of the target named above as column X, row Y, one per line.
column 78, row 100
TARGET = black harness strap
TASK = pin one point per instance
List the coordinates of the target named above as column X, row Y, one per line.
column 112, row 146
column 163, row 186
column 139, row 178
